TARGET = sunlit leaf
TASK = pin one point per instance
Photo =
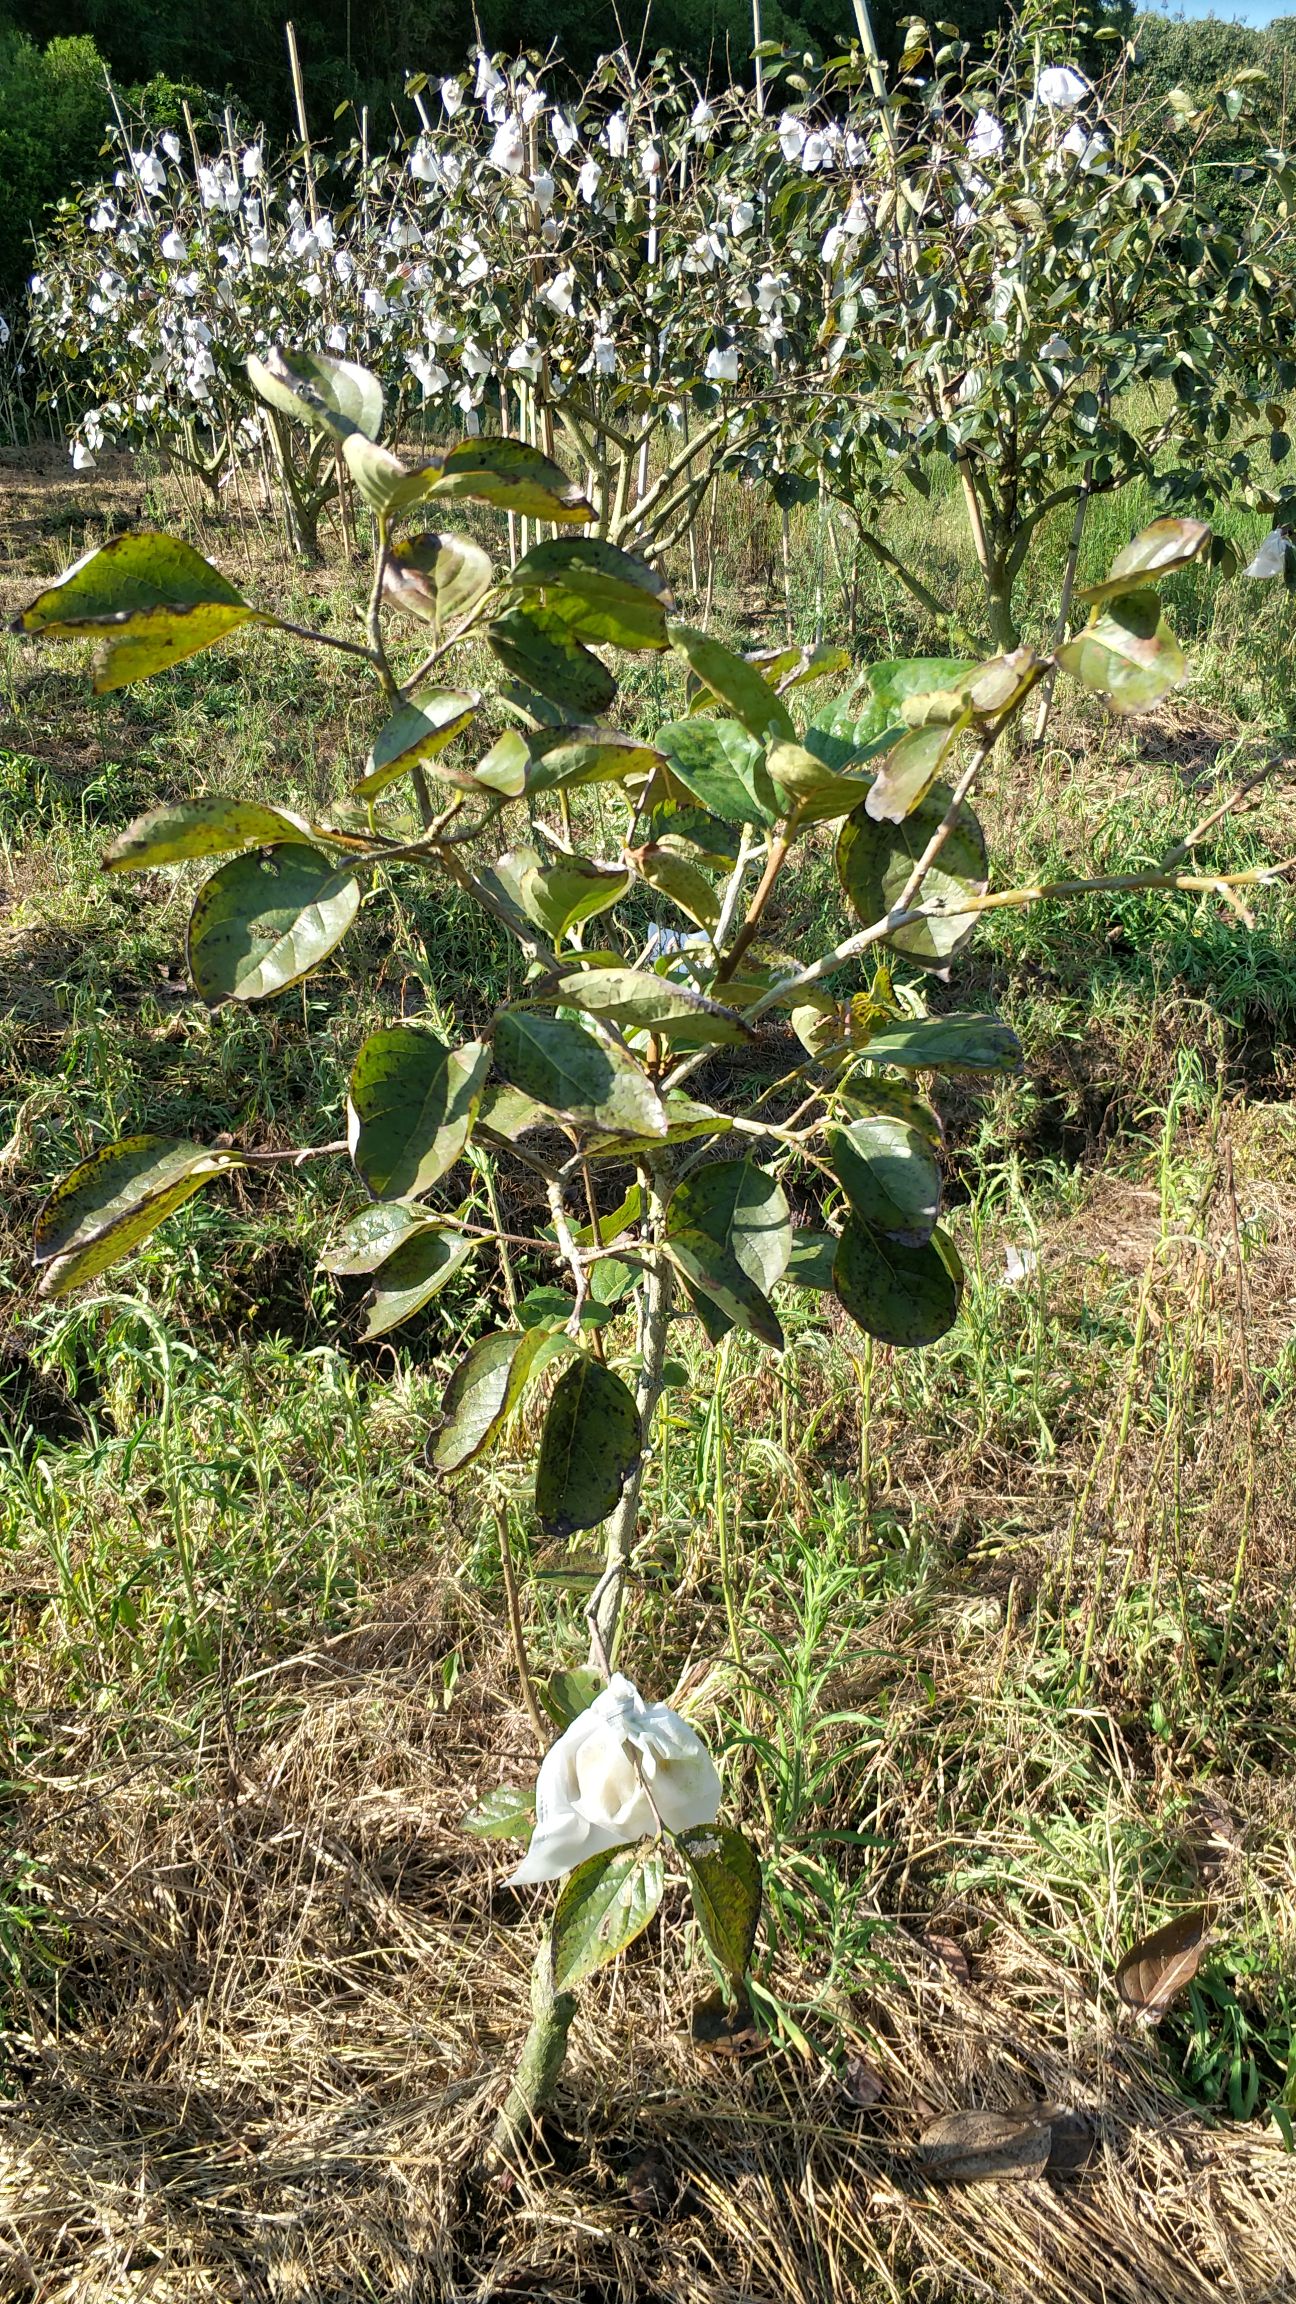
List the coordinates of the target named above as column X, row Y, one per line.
column 1127, row 653
column 1159, row 1967
column 369, row 1237
column 514, row 478
column 602, row 1906
column 954, row 1043
column 729, row 1229
column 331, row 395
column 723, row 767
column 150, row 599
column 1155, row 552
column 417, row 732
column 901, row 1295
column 635, row 999
column 110, row 1202
column 507, row 1813
column 485, row 1389
column 736, row 683
column 207, row 826
column 567, row 757
column 558, row 896
column 724, row 1878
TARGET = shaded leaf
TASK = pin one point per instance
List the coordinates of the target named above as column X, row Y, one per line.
column 265, row 920
column 437, row 577
column 889, row 1175
column 813, row 1255
column 676, row 878
column 415, row 1273
column 724, row 2026
column 485, row 1389
column 603, row 1905
column 387, row 486
column 565, row 1695
column 818, row 791
column 905, row 1296
column 504, row 768
column 722, row 765
column 206, row 826
column 1159, row 1967
column 954, row 1043
column 410, row 1108
column 537, row 647
column 875, row 861
column 370, row 1236
column 863, row 2084
column 985, row 2147
column 600, row 592
column 589, row 1447
column 725, row 1879
column 729, row 1229
column 567, row 1069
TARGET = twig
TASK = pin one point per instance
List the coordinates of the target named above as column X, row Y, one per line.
column 538, row 1721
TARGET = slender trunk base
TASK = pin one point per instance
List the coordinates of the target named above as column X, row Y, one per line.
column 532, row 2086
column 604, row 1609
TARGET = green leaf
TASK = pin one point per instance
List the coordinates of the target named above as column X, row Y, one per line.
column 723, row 767
column 151, row 599
column 603, row 1905
column 417, row 732
column 565, row 1695
column 264, row 921
column 508, row 1113
column 874, row 863
column 955, row 1043
column 985, row 693
column 485, row 1389
column 505, row 767
column 724, row 1876
column 635, row 999
column 514, row 478
column 590, row 1445
column 729, row 1229
column 206, row 826
column 371, row 1236
column 437, row 577
column 333, row 396
column 417, row 1271
column 574, row 888
column 685, row 1121
column 411, row 1107
column 567, row 757
column 598, row 591
column 683, row 883
column 387, row 486
column 786, row 668
column 889, row 1175
column 817, row 791
column 811, row 1262
column 1127, row 653
column 907, row 772
column 107, row 1204
column 627, row 1212
column 568, row 1070
column 735, row 682
column 547, row 1307
column 536, row 646
column 507, row 1813
column 904, row 1296
column 1155, row 552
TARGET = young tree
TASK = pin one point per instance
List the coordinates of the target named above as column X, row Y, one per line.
column 642, row 954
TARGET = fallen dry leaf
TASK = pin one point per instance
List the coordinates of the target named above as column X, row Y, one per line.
column 721, row 2030
column 1156, row 1970
column 951, row 1954
column 985, row 2147
column 862, row 2082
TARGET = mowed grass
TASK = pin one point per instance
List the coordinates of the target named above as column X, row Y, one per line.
column 994, row 1639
